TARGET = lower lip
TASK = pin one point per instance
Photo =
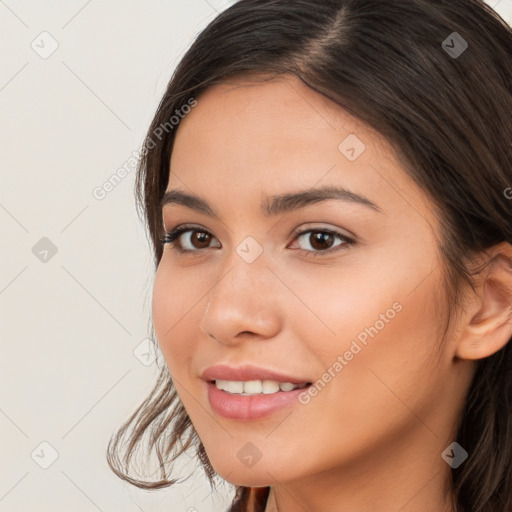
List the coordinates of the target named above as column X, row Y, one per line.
column 239, row 407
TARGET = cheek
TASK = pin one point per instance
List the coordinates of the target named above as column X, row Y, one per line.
column 371, row 300
column 175, row 299
column 374, row 338
column 380, row 362
column 368, row 399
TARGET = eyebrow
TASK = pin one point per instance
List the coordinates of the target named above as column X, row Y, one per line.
column 273, row 205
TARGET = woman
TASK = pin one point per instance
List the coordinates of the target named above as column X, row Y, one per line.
column 327, row 187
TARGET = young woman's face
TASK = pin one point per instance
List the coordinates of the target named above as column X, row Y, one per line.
column 343, row 293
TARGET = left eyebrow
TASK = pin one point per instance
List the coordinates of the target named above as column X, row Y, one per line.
column 273, row 205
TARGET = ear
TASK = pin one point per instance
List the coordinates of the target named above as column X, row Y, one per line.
column 489, row 312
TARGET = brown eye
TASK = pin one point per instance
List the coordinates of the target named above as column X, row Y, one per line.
column 188, row 239
column 194, row 240
column 200, row 239
column 321, row 240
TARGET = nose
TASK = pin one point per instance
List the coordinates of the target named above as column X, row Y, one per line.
column 243, row 305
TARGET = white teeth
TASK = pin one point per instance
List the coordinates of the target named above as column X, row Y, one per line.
column 255, row 387
column 230, row 386
column 286, row 386
column 270, row 386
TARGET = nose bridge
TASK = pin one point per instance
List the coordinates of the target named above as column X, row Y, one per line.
column 240, row 300
column 246, row 266
column 241, row 280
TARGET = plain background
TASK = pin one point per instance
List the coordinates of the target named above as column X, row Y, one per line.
column 76, row 271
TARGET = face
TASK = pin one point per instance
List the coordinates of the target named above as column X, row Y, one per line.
column 339, row 295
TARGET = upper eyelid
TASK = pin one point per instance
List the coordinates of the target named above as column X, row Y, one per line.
column 301, row 230
column 304, row 227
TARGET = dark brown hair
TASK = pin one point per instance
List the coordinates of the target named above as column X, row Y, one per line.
column 449, row 118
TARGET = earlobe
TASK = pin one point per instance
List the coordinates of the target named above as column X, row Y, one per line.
column 489, row 325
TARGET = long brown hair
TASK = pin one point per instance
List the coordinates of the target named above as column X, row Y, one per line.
column 446, row 109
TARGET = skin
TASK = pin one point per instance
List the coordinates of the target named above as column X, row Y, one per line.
column 373, row 436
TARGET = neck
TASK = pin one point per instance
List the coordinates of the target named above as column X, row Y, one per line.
column 409, row 482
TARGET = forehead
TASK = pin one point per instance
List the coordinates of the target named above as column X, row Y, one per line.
column 266, row 135
column 260, row 104
column 258, row 119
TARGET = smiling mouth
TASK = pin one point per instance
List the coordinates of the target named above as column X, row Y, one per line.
column 256, row 387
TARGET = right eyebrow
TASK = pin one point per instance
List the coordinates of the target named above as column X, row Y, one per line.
column 273, row 205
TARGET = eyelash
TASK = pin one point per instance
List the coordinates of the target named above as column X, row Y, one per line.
column 171, row 237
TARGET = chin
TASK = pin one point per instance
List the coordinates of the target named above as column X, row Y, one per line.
column 250, row 479
column 261, row 474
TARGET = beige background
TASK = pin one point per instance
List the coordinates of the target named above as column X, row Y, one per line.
column 73, row 322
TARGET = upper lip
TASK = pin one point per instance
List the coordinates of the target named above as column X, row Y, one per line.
column 246, row 373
